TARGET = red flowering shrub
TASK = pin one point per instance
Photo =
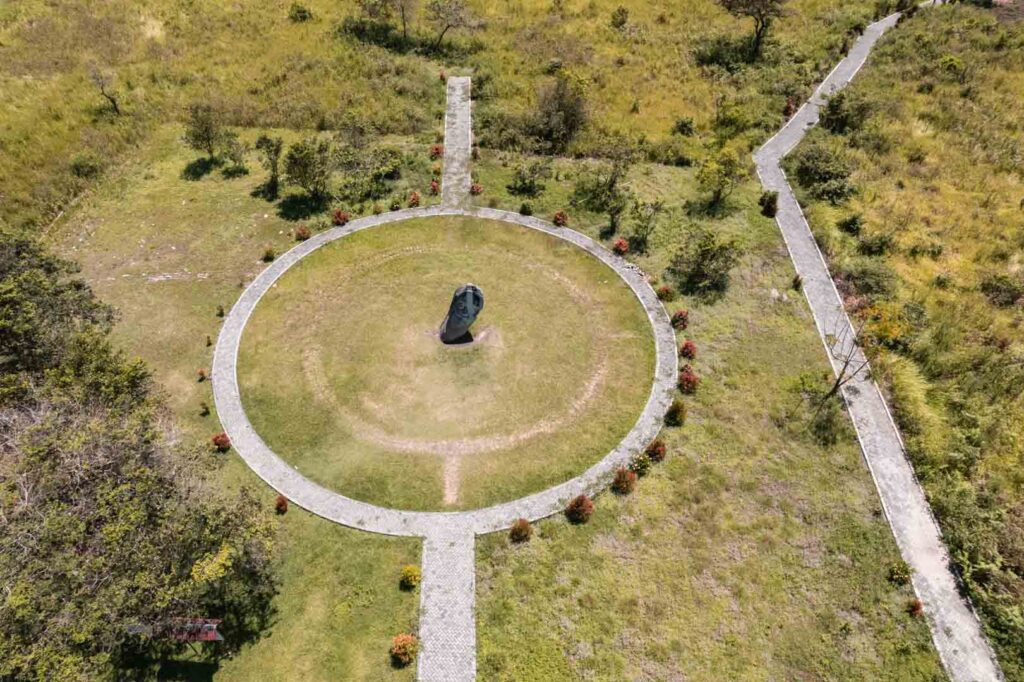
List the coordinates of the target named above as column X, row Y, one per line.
column 579, row 510
column 281, row 505
column 688, row 380
column 476, row 189
column 436, row 152
column 621, row 246
column 442, row 76
column 414, row 200
column 340, row 217
column 656, row 450
column 676, row 414
column 561, row 219
column 681, row 319
column 201, row 375
column 915, row 608
column 521, row 531
column 302, row 233
column 666, row 293
column 435, row 188
column 688, row 350
column 624, row 481
column 791, row 108
column 403, row 649
column 221, row 442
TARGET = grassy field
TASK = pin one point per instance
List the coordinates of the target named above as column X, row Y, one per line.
column 743, row 556
column 934, row 267
column 343, row 375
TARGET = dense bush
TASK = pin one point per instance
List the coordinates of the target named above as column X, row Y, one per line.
column 869, row 277
column 340, row 217
column 769, row 203
column 269, row 254
column 823, row 169
column 844, row 113
column 655, row 450
column 1003, row 290
column 302, row 233
column 580, row 509
column 436, row 151
column 221, row 442
column 414, row 200
column 624, row 482
column 676, row 414
column 665, row 293
column 410, row 577
column 688, row 380
column 521, row 531
column 404, row 648
column 560, row 219
column 703, row 262
column 688, row 350
column 681, row 319
column 562, row 111
column 620, row 246
column 640, row 464
column 281, row 505
column 528, row 178
column 526, row 208
column 299, row 13
column 899, row 573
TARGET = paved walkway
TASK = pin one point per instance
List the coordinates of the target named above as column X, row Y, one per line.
column 447, row 608
column 458, row 143
column 955, row 628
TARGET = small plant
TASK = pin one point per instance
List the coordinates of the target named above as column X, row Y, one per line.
column 268, row 254
column 395, row 204
column 281, row 505
column 435, row 188
column 683, row 127
column 221, row 442
column 681, row 320
column 640, row 464
column 688, row 380
column 899, row 573
column 688, row 350
column 410, row 578
column 435, row 169
column 442, row 76
column 204, row 409
column 209, row 341
column 201, row 375
column 624, row 481
column 302, row 233
column 560, row 219
column 476, row 189
column 676, row 414
column 299, row 13
column 769, row 203
column 621, row 246
column 620, row 17
column 220, row 311
column 798, row 283
column 655, row 451
column 666, row 293
column 403, row 649
column 436, row 152
column 414, row 200
column 580, row 509
column 521, row 531
column 525, row 209
column 340, row 217
column 915, row 608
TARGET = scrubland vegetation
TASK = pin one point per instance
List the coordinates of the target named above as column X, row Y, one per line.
column 915, row 191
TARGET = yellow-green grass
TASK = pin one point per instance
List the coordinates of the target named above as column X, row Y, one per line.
column 343, row 374
column 752, row 553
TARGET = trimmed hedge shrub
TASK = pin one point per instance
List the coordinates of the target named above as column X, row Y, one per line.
column 340, row 217
column 404, row 648
column 666, row 293
column 560, row 219
column 621, row 246
column 676, row 414
column 681, row 319
column 688, row 350
column 410, row 578
column 281, row 505
column 302, row 233
column 624, row 482
column 476, row 189
column 521, row 531
column 221, row 442
column 436, row 152
column 656, row 450
column 580, row 509
column 688, row 380
column 769, row 203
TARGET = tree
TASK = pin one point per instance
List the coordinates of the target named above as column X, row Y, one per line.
column 447, row 15
column 562, row 111
column 528, row 178
column 720, row 174
column 763, row 12
column 308, row 165
column 104, row 81
column 703, row 262
column 204, row 129
column 600, row 190
column 270, row 156
column 645, row 218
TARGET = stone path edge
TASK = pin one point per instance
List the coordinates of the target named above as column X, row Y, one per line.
column 336, row 507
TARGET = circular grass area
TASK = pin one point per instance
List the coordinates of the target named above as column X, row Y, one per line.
column 343, row 375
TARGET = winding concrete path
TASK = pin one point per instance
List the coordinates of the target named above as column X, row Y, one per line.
column 955, row 628
column 447, row 624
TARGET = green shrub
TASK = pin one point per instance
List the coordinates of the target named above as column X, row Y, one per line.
column 410, row 578
column 676, row 414
column 899, row 573
column 640, row 464
column 769, row 203
column 823, row 169
column 703, row 262
column 870, row 277
column 299, row 13
column 1003, row 290
column 620, row 17
column 844, row 113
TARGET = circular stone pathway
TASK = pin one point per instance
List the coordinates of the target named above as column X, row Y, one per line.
column 341, row 509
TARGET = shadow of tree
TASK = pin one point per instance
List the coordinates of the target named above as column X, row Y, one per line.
column 199, row 168
column 300, row 206
column 704, row 208
column 187, row 671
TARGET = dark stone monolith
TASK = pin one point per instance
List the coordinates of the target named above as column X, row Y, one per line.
column 466, row 304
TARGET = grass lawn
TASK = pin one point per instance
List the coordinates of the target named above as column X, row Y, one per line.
column 343, row 374
column 753, row 552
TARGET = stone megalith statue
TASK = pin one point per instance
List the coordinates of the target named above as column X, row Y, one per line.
column 466, row 304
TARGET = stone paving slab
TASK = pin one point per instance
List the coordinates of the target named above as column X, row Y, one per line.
column 955, row 628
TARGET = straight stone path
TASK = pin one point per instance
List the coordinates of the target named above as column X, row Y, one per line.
column 955, row 628
column 447, row 607
column 458, row 143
